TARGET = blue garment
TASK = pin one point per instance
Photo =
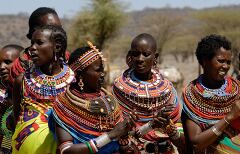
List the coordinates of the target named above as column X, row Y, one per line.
column 79, row 137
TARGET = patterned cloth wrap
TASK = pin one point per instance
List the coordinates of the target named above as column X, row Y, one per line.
column 207, row 106
column 72, row 111
column 5, row 143
column 146, row 98
column 32, row 135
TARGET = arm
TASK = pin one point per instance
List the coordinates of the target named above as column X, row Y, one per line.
column 17, row 96
column 202, row 139
column 65, row 139
column 64, row 136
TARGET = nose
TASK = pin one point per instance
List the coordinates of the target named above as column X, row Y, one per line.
column 140, row 57
column 226, row 66
column 32, row 47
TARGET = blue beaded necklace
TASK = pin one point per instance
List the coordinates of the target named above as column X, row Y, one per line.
column 211, row 92
column 47, row 87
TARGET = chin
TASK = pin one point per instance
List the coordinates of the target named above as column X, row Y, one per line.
column 141, row 71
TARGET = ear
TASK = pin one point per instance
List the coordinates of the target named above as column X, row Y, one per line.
column 58, row 47
column 205, row 62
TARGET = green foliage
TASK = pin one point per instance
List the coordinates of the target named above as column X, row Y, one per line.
column 99, row 23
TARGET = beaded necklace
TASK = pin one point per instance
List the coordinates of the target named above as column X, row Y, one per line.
column 210, row 92
column 42, row 86
column 145, row 97
column 78, row 113
column 209, row 109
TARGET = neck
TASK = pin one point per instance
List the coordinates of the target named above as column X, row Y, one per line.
column 143, row 76
column 74, row 86
column 51, row 69
column 210, row 83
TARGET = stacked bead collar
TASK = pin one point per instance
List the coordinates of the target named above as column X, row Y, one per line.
column 42, row 86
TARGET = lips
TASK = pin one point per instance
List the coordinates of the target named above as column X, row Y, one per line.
column 34, row 57
column 140, row 67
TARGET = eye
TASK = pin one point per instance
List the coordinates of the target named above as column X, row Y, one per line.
column 221, row 60
column 135, row 53
column 39, row 42
column 146, row 54
column 7, row 61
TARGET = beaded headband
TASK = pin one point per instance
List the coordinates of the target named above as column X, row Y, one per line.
column 88, row 58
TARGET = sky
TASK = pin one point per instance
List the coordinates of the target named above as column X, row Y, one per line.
column 69, row 8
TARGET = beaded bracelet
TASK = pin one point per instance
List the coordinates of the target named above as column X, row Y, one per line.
column 216, row 131
column 93, row 145
column 64, row 146
column 89, row 147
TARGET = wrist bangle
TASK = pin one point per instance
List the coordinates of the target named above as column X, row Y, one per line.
column 64, row 146
column 226, row 120
column 89, row 147
column 216, row 131
column 102, row 140
column 93, row 145
column 144, row 129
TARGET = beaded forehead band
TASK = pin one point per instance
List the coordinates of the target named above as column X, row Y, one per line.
column 88, row 58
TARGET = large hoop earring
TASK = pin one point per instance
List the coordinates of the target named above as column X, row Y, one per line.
column 81, row 84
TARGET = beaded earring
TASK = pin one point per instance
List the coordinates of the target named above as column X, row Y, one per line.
column 81, row 84
column 55, row 56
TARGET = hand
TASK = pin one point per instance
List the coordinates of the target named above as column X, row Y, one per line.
column 161, row 118
column 235, row 111
column 122, row 128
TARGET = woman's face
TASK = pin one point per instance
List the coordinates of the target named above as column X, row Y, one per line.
column 7, row 56
column 217, row 67
column 42, row 48
column 142, row 55
column 93, row 76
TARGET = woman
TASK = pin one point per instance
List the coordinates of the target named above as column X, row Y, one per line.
column 40, row 17
column 7, row 55
column 87, row 118
column 37, row 89
column 211, row 102
column 142, row 89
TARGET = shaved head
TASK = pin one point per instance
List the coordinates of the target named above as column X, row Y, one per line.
column 145, row 38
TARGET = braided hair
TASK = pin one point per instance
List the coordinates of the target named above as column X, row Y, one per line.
column 209, row 45
column 59, row 36
column 34, row 19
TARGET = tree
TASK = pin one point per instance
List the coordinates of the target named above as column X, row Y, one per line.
column 98, row 23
